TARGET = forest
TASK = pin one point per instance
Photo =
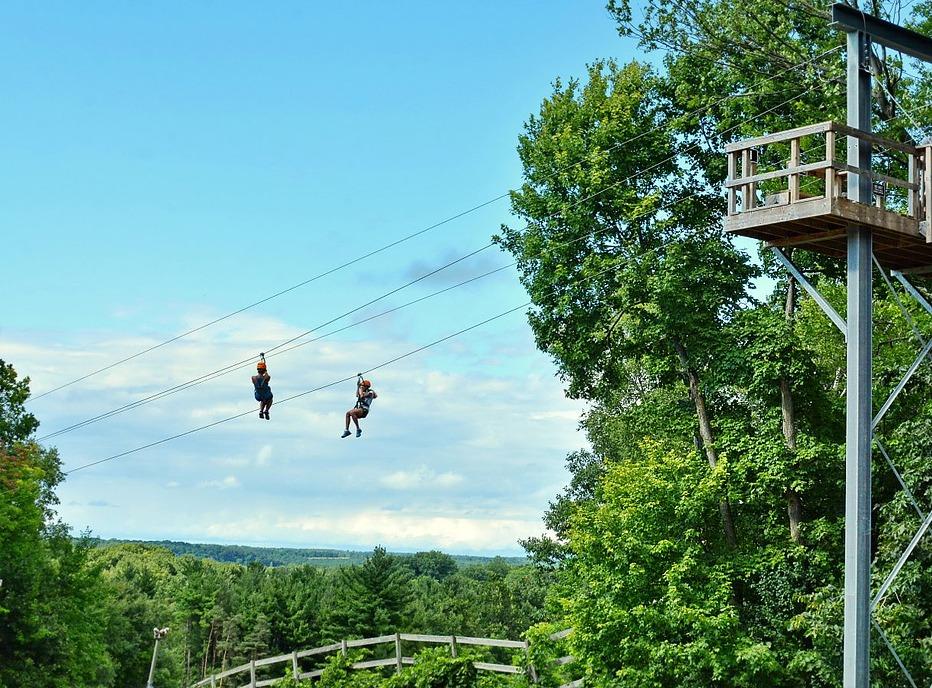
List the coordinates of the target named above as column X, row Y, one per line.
column 283, row 556
column 699, row 541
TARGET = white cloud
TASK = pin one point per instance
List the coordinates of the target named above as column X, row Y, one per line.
column 264, row 455
column 420, row 478
column 393, row 529
column 223, row 484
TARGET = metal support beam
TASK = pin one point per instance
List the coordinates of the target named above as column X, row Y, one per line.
column 857, row 623
column 881, row 31
column 811, row 290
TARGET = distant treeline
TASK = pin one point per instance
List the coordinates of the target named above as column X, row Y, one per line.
column 285, row 556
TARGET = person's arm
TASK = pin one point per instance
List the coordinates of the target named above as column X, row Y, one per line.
column 373, row 394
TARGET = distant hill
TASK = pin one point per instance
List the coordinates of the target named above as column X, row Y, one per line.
column 285, row 556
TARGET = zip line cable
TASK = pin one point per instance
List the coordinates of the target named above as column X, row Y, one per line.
column 402, row 356
column 239, row 364
column 418, row 233
column 305, row 393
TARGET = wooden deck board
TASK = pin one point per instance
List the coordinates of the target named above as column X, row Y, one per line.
column 819, row 225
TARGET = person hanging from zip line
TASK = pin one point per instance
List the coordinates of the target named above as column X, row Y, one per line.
column 260, row 381
column 364, row 396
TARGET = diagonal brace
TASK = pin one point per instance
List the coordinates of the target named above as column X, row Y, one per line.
column 896, row 656
column 813, row 292
column 899, row 302
column 915, row 293
column 899, row 477
column 902, row 560
column 902, row 384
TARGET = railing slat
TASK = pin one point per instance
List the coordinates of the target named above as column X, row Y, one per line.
column 499, row 668
column 780, row 136
column 364, row 642
column 421, row 638
column 320, row 650
column 873, row 138
column 234, row 670
column 776, row 174
column 491, row 642
column 369, row 663
column 273, row 660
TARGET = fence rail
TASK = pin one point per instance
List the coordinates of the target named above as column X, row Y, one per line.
column 398, row 660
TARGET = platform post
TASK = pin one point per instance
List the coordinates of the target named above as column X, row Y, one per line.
column 857, row 626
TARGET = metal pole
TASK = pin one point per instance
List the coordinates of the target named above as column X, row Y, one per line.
column 155, row 652
column 857, row 624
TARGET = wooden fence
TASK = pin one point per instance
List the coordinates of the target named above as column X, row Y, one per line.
column 292, row 660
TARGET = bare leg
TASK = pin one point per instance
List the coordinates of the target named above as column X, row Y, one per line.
column 348, row 419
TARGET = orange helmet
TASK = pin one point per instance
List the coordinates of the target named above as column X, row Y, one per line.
column 366, row 383
column 260, row 365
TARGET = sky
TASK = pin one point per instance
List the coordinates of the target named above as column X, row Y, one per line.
column 168, row 163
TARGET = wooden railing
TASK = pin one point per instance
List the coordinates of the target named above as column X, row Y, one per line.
column 567, row 659
column 751, row 188
column 292, row 660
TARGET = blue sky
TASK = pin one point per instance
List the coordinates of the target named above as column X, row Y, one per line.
column 166, row 163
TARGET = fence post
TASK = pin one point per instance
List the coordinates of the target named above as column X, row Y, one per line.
column 927, row 189
column 252, row 673
column 343, row 647
column 454, row 651
column 793, row 187
column 530, row 664
column 295, row 669
column 213, row 681
column 732, row 193
column 831, row 188
column 398, row 653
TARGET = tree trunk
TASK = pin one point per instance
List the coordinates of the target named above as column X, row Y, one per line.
column 794, row 502
column 708, row 439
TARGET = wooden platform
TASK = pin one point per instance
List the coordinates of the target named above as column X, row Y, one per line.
column 820, row 225
column 776, row 196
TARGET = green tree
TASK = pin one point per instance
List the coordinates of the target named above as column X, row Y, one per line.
column 433, row 563
column 629, row 294
column 370, row 599
column 52, row 616
column 16, row 424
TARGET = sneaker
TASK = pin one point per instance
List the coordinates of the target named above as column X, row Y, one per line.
column 358, row 433
column 267, row 416
column 346, row 433
column 261, row 415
